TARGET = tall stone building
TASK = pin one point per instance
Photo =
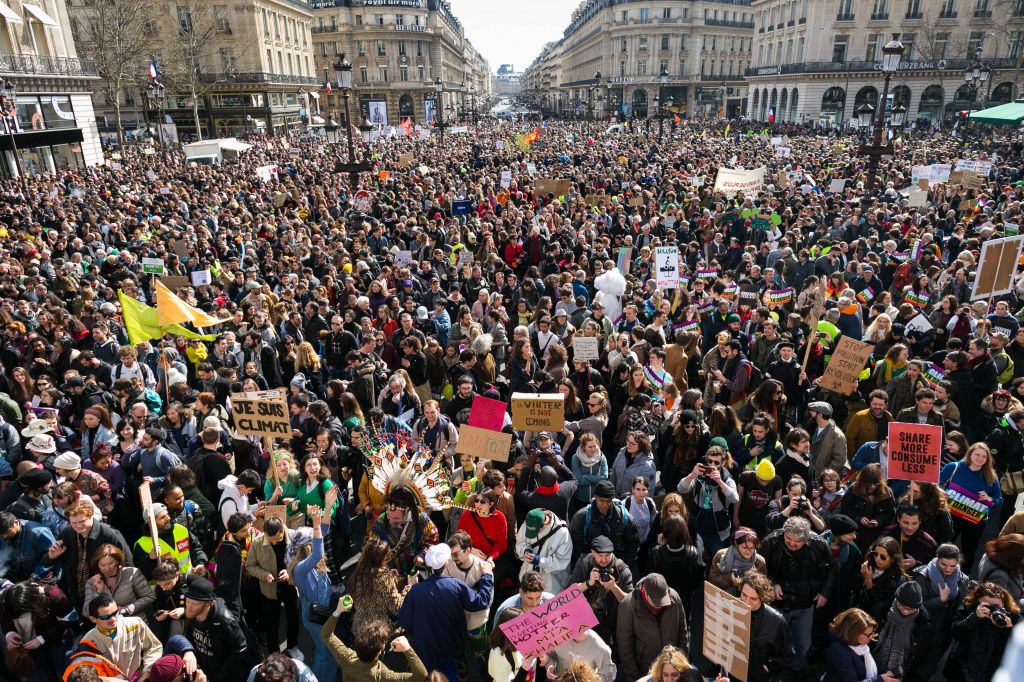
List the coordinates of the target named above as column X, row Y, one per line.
column 226, row 67
column 692, row 53
column 398, row 49
column 48, row 116
column 819, row 61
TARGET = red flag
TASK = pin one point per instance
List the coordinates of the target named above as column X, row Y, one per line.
column 531, row 137
column 406, row 125
column 676, row 118
column 327, row 87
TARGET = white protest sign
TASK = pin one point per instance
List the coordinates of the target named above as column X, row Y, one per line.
column 783, row 152
column 585, row 348
column 201, row 278
column 732, row 181
column 403, row 258
column 837, row 185
column 506, row 178
column 666, row 263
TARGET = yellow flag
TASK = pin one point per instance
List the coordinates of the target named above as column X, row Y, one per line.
column 140, row 321
column 727, row 129
column 172, row 310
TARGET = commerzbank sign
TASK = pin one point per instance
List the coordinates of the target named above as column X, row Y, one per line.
column 388, row 3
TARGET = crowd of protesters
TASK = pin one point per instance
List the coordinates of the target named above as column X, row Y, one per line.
column 699, row 446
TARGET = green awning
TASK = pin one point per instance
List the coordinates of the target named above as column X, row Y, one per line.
column 1011, row 113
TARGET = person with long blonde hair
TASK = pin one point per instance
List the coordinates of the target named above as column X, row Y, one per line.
column 307, row 363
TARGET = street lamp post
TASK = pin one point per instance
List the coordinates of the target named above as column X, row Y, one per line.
column 721, row 98
column 657, row 115
column 9, row 108
column 891, row 54
column 158, row 94
column 343, row 75
column 439, row 107
column 668, row 106
column 593, row 93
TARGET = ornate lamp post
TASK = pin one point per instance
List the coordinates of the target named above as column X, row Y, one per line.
column 343, row 75
column 891, row 54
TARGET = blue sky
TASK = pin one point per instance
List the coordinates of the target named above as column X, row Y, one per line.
column 512, row 32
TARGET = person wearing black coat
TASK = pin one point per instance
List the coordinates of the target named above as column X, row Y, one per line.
column 679, row 561
column 914, row 662
column 881, row 575
column 978, row 639
column 1007, row 444
column 771, row 645
column 79, row 541
column 221, row 649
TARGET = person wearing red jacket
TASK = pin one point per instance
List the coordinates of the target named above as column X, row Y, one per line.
column 486, row 526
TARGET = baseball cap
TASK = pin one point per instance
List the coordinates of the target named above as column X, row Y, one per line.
column 533, row 523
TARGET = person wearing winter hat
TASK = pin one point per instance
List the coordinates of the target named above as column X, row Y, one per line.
column 905, row 643
column 433, row 613
column 68, row 466
column 217, row 638
column 756, row 490
column 35, row 484
column 605, row 517
column 841, row 537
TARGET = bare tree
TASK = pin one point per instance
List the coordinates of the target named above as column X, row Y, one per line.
column 115, row 34
column 201, row 45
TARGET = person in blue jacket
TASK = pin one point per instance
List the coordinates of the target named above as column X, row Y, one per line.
column 27, row 544
column 972, row 490
column 434, row 611
column 848, row 657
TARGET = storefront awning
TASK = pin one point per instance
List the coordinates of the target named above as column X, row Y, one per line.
column 9, row 14
column 235, row 145
column 40, row 15
column 1011, row 113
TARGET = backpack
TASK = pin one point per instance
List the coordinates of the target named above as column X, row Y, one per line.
column 756, row 378
column 1005, row 370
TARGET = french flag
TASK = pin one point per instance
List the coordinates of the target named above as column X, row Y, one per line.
column 153, row 73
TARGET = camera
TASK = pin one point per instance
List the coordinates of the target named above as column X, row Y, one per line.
column 605, row 573
column 999, row 615
column 802, row 504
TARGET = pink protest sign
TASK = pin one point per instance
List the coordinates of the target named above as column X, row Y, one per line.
column 551, row 624
column 487, row 414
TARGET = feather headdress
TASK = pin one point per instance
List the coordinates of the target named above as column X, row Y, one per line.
column 396, row 461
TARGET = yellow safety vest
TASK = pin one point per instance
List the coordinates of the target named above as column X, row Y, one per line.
column 180, row 551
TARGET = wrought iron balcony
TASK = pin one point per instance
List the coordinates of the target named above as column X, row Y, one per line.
column 258, row 77
column 30, row 64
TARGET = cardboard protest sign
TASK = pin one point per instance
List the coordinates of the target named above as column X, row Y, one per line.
column 842, row 374
column 915, row 452
column 551, row 624
column 174, row 282
column 405, row 160
column 278, row 510
column 917, row 199
column 486, row 413
column 146, row 498
column 940, row 172
column 180, row 247
column 482, row 443
column 403, row 258
column 732, row 181
column 666, row 263
column 586, row 348
column 556, row 187
column 636, row 201
column 726, row 631
column 257, row 414
column 595, row 199
column 538, row 411
column 997, row 267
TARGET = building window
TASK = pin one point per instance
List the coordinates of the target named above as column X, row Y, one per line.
column 644, row 14
column 403, row 73
column 378, row 19
column 663, row 66
column 874, row 47
column 641, row 67
column 800, row 50
column 323, row 49
column 941, row 45
column 682, row 43
column 625, row 15
column 129, row 98
column 223, row 23
column 399, row 20
column 664, row 42
column 983, row 8
column 789, row 51
column 359, row 20
column 419, row 48
column 947, row 9
column 360, row 48
column 266, row 24
column 184, row 19
column 1018, row 8
column 420, row 70
column 1015, row 42
column 974, row 43
column 839, row 45
column 666, row 13
column 622, row 69
column 382, row 74
column 401, row 47
column 908, row 40
column 363, row 78
column 880, row 10
column 642, row 43
column 623, row 45
column 845, row 10
column 381, row 49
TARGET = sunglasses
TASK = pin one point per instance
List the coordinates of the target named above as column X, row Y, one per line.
column 106, row 617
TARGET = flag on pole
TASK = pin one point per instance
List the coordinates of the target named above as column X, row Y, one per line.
column 675, row 117
column 172, row 310
column 153, row 72
column 327, row 87
column 727, row 125
column 142, row 324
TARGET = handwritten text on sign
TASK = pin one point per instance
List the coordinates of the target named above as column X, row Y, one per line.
column 551, row 624
column 843, row 371
column 261, row 417
column 492, row 445
column 538, row 412
column 915, row 452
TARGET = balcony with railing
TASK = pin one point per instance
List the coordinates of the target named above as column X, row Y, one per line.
column 730, row 23
column 30, row 64
column 845, row 16
column 329, row 28
column 879, row 16
column 258, row 77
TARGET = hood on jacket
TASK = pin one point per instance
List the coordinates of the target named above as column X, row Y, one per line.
column 1015, row 404
column 228, row 485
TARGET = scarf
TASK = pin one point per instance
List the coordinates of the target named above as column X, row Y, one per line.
column 547, row 489
column 798, row 457
column 974, row 362
column 937, row 577
column 733, row 562
column 588, row 460
column 893, row 369
column 895, row 639
column 870, row 669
